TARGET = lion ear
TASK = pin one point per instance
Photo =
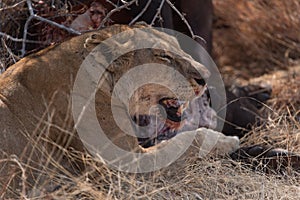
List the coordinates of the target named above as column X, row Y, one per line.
column 95, row 39
column 141, row 24
column 110, row 43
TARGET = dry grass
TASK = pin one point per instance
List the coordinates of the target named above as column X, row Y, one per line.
column 256, row 36
column 210, row 178
column 217, row 178
column 283, row 125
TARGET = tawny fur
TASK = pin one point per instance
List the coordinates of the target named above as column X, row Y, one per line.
column 35, row 101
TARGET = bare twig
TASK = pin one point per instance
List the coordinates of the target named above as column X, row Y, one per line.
column 2, row 67
column 185, row 21
column 141, row 13
column 34, row 16
column 11, row 54
column 117, row 9
column 112, row 3
column 13, row 6
column 126, row 5
column 6, row 36
column 158, row 13
column 68, row 29
column 23, row 50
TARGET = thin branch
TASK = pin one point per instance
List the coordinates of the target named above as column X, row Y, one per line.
column 11, row 54
column 34, row 16
column 68, row 29
column 29, row 4
column 8, row 37
column 23, row 50
column 141, row 13
column 117, row 9
column 158, row 13
column 13, row 6
column 112, row 3
column 185, row 22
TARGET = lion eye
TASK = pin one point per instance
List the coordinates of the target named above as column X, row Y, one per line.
column 165, row 57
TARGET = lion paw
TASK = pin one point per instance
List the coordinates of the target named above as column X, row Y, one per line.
column 213, row 142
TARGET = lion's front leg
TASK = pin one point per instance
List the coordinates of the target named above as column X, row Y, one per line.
column 200, row 142
column 208, row 141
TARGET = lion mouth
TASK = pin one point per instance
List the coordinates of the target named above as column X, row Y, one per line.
column 158, row 128
column 173, row 117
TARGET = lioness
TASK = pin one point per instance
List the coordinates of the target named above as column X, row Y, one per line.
column 35, row 103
